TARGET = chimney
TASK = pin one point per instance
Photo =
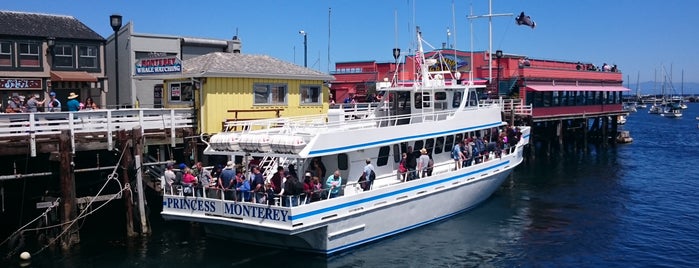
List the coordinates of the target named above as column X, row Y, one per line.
column 234, row 45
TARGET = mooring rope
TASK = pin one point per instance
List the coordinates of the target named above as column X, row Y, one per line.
column 83, row 214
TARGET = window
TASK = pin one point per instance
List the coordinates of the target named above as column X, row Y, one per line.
column 383, row 156
column 449, row 144
column 396, row 153
column 439, row 145
column 429, row 144
column 180, row 92
column 342, row 162
column 29, row 55
column 270, row 93
column 457, row 99
column 63, row 56
column 5, row 54
column 418, row 145
column 87, row 57
column 311, row 95
column 419, row 98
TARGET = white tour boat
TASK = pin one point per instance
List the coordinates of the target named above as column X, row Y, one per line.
column 432, row 113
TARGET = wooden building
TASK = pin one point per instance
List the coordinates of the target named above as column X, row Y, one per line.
column 40, row 53
column 223, row 86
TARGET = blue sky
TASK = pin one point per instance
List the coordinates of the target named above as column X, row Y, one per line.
column 638, row 36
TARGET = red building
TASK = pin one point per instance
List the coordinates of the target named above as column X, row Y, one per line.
column 554, row 89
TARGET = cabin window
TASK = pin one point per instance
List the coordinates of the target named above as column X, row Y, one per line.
column 590, row 98
column 404, row 147
column 384, row 152
column 419, row 145
column 420, row 98
column 270, row 94
column 6, row 54
column 342, row 162
column 459, row 137
column 449, row 143
column 457, row 99
column 181, row 92
column 87, row 57
column 580, row 98
column 439, row 145
column 311, row 94
column 472, row 98
column 396, row 153
column 429, row 145
column 63, row 56
column 29, row 55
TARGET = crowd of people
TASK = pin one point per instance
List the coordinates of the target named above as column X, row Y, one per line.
column 231, row 182
column 32, row 104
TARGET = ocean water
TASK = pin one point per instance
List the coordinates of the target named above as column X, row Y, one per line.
column 626, row 205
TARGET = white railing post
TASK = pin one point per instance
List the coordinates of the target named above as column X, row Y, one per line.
column 172, row 127
column 71, row 125
column 32, row 135
column 110, row 142
column 140, row 120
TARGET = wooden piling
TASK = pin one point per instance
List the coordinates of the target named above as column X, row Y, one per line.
column 137, row 142
column 125, row 163
column 69, row 206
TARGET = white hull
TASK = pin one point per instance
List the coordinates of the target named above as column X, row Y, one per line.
column 362, row 218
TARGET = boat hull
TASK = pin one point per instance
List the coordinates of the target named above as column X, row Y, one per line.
column 375, row 214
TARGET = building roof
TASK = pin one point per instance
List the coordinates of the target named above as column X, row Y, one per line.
column 44, row 25
column 222, row 64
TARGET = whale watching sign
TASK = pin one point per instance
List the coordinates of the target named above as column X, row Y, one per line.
column 167, row 65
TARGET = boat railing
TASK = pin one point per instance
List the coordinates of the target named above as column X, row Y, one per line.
column 334, row 120
column 257, row 197
column 22, row 125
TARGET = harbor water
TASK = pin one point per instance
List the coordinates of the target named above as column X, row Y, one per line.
column 630, row 204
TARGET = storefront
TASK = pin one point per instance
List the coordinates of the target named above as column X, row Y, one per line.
column 21, row 86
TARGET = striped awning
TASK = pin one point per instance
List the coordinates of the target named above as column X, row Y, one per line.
column 72, row 76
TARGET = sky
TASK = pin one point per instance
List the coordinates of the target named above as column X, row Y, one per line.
column 643, row 38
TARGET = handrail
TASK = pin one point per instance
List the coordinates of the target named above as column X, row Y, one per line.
column 18, row 125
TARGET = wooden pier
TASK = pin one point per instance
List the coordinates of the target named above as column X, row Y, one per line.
column 50, row 145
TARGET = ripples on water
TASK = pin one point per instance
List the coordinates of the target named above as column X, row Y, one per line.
column 631, row 204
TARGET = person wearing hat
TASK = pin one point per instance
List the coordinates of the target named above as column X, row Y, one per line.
column 14, row 105
column 423, row 162
column 73, row 103
column 54, row 105
column 228, row 180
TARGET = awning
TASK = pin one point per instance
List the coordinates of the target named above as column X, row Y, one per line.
column 72, row 76
column 575, row 88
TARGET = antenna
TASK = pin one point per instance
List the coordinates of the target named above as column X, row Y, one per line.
column 490, row 16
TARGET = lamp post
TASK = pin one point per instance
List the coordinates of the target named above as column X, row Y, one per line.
column 305, row 47
column 115, row 22
column 498, row 55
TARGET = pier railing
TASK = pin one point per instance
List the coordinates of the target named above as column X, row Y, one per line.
column 31, row 125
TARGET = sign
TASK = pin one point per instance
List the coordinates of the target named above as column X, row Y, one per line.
column 175, row 92
column 200, row 207
column 166, row 65
column 20, row 83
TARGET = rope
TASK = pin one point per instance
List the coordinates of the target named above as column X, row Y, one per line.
column 84, row 213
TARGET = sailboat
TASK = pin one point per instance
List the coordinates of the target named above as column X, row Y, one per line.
column 671, row 108
column 639, row 102
column 655, row 108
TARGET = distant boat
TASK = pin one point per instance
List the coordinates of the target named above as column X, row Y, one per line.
column 629, row 107
column 624, row 136
column 672, row 110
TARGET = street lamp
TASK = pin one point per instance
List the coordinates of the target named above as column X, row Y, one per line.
column 115, row 22
column 498, row 55
column 305, row 47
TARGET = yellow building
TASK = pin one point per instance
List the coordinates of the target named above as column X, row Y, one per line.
column 221, row 86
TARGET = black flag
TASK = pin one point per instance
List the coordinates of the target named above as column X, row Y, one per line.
column 525, row 20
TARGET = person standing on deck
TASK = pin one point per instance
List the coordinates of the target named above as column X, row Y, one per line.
column 368, row 170
column 54, row 105
column 333, row 184
column 423, row 163
column 33, row 103
column 227, row 180
column 412, row 164
column 169, row 177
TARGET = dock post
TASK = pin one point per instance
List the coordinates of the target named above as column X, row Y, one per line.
column 585, row 129
column 125, row 162
column 68, row 206
column 137, row 138
column 605, row 127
